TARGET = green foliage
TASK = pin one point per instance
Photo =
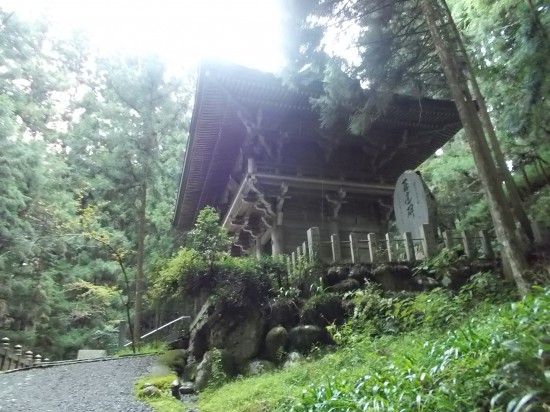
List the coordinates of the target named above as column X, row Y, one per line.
column 219, row 375
column 207, row 237
column 174, row 359
column 539, row 210
column 491, row 359
column 165, row 402
column 144, row 348
column 323, row 309
column 440, row 265
column 169, row 281
column 79, row 138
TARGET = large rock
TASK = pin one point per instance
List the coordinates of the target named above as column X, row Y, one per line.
column 303, row 337
column 240, row 336
column 394, row 277
column 346, row 285
column 257, row 367
column 205, row 369
column 199, row 331
column 335, row 274
column 323, row 310
column 275, row 343
column 360, row 273
column 283, row 312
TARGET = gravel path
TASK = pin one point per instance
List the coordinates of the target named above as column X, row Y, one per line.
column 105, row 386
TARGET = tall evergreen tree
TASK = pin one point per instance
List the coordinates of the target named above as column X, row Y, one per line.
column 406, row 46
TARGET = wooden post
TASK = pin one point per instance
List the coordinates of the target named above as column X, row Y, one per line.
column 486, row 245
column 293, row 260
column 336, row 251
column 409, row 246
column 428, row 240
column 469, row 249
column 314, row 243
column 390, row 246
column 354, row 247
column 373, row 247
column 448, row 239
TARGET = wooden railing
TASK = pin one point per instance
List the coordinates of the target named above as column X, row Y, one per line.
column 373, row 249
column 14, row 358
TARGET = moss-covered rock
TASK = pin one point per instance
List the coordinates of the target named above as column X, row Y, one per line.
column 323, row 310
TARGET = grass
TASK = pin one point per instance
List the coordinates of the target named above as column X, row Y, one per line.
column 151, row 348
column 165, row 402
column 478, row 364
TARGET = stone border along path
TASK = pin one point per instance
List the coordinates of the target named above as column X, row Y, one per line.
column 95, row 385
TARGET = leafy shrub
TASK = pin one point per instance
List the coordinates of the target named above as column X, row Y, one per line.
column 207, row 237
column 441, row 265
column 539, row 210
column 219, row 373
column 493, row 362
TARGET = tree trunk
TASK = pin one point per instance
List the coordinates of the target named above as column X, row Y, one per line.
column 502, row 217
column 139, row 264
column 512, row 189
column 526, row 178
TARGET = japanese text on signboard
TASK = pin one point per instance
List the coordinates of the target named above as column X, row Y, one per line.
column 408, row 200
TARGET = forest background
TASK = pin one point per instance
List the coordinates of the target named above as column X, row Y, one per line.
column 91, row 150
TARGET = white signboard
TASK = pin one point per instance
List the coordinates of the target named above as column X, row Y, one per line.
column 412, row 203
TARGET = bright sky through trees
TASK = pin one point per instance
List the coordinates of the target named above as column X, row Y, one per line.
column 246, row 32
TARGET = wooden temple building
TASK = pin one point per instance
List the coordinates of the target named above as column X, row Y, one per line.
column 256, row 153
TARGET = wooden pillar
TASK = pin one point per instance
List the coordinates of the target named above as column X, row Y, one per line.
column 486, row 245
column 293, row 261
column 354, row 247
column 336, row 251
column 428, row 240
column 373, row 247
column 409, row 246
column 314, row 243
column 277, row 242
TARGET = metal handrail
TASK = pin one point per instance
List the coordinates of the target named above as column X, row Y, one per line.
column 162, row 327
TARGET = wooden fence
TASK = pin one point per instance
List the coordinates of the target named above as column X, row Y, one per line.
column 373, row 249
column 14, row 358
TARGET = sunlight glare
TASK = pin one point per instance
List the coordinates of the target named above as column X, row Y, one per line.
column 246, row 32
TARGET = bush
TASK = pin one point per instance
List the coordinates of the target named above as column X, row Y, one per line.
column 497, row 361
